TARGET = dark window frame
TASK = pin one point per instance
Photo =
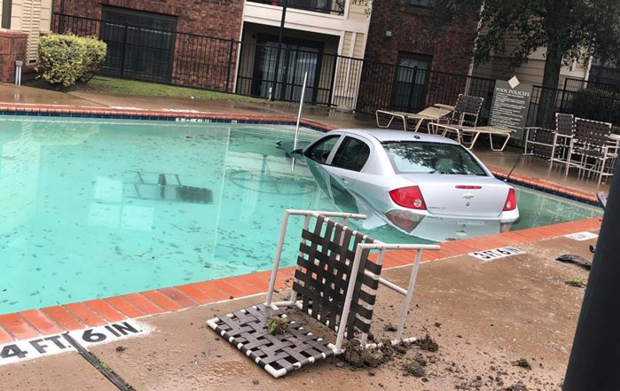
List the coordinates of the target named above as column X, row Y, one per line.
column 7, row 14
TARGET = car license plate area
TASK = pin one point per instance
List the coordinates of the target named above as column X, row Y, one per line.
column 477, row 223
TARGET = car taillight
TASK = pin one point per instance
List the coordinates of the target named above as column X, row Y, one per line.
column 511, row 201
column 405, row 220
column 409, row 197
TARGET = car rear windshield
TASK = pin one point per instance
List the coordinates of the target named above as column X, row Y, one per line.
column 418, row 157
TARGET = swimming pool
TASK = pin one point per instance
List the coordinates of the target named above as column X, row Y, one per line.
column 83, row 215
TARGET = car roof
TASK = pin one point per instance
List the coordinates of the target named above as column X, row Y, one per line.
column 399, row 135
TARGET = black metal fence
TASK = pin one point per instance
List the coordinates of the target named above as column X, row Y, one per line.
column 227, row 65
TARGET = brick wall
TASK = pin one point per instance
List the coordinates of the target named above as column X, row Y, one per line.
column 12, row 48
column 198, row 61
column 216, row 18
column 409, row 33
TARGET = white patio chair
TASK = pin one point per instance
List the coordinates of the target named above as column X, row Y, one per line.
column 335, row 282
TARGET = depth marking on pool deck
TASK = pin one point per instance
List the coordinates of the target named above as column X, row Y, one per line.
column 57, row 343
column 496, row 253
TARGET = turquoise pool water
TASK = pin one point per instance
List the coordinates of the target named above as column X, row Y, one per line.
column 82, row 214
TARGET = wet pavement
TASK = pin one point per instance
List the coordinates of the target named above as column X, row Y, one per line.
column 483, row 315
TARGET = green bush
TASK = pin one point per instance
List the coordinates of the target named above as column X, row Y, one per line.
column 598, row 105
column 66, row 58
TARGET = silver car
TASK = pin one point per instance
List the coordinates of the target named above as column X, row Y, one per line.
column 424, row 185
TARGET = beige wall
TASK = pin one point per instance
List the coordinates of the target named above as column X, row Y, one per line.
column 31, row 17
column 531, row 72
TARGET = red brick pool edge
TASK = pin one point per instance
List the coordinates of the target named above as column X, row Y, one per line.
column 53, row 320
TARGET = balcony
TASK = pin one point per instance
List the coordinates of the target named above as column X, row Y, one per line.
column 335, row 7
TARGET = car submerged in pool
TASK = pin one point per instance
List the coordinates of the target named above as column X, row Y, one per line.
column 424, row 185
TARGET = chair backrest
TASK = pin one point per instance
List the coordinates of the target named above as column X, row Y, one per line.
column 325, row 264
column 467, row 109
column 565, row 124
column 592, row 133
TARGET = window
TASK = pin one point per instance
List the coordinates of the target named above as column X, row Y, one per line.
column 351, row 155
column 431, row 158
column 320, row 152
column 140, row 44
column 422, row 3
column 409, row 88
column 7, row 6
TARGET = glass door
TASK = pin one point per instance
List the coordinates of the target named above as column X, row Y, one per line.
column 411, row 77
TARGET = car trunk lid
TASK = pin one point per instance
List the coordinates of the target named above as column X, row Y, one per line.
column 458, row 195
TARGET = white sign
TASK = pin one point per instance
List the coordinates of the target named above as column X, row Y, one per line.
column 497, row 253
column 197, row 120
column 582, row 236
column 54, row 344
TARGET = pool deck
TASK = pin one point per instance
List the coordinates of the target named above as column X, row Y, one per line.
column 179, row 353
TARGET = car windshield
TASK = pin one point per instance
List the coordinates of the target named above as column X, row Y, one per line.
column 417, row 157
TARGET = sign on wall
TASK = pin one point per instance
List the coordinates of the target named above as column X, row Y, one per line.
column 511, row 105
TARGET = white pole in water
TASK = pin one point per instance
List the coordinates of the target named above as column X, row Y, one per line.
column 301, row 106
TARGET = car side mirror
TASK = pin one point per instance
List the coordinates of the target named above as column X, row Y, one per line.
column 299, row 152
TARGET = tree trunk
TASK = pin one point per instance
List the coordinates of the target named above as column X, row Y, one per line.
column 551, row 78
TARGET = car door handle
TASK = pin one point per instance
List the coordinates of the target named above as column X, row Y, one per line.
column 344, row 180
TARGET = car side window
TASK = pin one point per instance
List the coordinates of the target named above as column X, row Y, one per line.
column 351, row 155
column 320, row 151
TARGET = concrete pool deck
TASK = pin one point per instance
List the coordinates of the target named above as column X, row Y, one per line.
column 484, row 315
column 178, row 314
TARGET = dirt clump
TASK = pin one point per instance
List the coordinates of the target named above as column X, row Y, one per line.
column 519, row 386
column 428, row 343
column 576, row 282
column 278, row 326
column 523, row 363
column 415, row 366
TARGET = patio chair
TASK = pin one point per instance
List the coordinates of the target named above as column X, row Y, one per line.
column 554, row 145
column 335, row 282
column 592, row 151
column 430, row 114
column 467, row 110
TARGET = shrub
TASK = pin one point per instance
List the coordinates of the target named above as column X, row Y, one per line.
column 596, row 104
column 66, row 58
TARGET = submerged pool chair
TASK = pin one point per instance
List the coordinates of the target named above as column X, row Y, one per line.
column 335, row 282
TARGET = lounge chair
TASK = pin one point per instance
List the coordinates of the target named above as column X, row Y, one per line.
column 335, row 282
column 429, row 114
column 468, row 135
column 465, row 111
